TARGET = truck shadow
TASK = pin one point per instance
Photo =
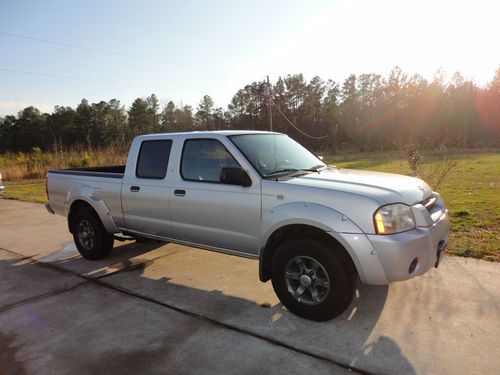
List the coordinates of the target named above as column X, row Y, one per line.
column 9, row 363
column 198, row 283
column 121, row 257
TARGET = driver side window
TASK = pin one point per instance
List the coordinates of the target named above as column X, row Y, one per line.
column 203, row 159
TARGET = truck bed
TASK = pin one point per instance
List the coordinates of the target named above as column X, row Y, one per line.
column 99, row 184
column 112, row 171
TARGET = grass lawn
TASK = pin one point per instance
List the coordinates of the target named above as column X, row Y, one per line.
column 26, row 190
column 471, row 191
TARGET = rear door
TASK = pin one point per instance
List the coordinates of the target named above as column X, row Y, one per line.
column 146, row 192
column 206, row 211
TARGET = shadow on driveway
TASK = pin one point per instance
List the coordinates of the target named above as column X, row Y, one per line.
column 225, row 291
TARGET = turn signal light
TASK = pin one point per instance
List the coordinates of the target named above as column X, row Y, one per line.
column 380, row 223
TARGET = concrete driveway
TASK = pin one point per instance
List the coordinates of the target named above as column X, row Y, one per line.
column 173, row 309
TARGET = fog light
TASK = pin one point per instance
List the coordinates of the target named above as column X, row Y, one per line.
column 413, row 265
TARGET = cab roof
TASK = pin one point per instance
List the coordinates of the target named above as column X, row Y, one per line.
column 226, row 133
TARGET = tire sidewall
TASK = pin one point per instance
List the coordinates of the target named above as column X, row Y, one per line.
column 103, row 241
column 341, row 282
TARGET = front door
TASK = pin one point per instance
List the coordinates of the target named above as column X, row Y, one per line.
column 206, row 211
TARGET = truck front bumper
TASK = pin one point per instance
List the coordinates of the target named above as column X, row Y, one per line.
column 409, row 254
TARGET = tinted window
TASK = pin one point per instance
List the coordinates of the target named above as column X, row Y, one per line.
column 153, row 159
column 202, row 160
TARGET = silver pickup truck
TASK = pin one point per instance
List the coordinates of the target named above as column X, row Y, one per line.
column 315, row 229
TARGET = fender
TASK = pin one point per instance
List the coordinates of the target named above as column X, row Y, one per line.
column 92, row 196
column 335, row 224
column 312, row 214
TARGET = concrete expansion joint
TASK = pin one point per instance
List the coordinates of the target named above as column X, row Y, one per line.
column 41, row 296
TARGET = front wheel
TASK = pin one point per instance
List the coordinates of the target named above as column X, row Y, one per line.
column 91, row 238
column 311, row 279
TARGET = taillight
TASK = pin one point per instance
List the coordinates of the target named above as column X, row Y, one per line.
column 47, row 186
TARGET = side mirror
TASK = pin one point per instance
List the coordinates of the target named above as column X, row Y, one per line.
column 234, row 176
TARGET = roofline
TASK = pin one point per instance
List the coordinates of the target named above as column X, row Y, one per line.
column 226, row 133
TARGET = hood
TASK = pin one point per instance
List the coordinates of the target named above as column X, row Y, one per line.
column 383, row 187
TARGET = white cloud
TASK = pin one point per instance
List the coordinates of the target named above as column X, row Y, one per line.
column 12, row 107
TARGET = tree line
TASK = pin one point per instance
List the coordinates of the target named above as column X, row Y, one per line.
column 364, row 112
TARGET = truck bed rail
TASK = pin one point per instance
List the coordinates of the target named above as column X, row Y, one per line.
column 112, row 171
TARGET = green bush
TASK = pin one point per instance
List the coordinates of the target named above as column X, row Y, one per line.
column 80, row 162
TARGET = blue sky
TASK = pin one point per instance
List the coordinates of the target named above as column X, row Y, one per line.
column 216, row 47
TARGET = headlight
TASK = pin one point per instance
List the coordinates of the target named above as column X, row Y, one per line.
column 393, row 218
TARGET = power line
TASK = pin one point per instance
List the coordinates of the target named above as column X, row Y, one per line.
column 291, row 123
column 101, row 81
column 113, row 53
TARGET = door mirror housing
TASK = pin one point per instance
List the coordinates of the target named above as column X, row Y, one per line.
column 234, row 176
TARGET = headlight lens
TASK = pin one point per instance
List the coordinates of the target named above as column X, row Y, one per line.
column 393, row 218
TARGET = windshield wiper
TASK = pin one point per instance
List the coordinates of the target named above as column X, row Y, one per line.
column 315, row 168
column 287, row 170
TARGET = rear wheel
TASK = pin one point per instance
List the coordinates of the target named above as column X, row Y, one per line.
column 311, row 279
column 91, row 238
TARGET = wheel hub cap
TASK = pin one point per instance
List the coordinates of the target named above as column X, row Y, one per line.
column 86, row 234
column 307, row 280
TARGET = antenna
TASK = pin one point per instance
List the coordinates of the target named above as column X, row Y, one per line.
column 267, row 92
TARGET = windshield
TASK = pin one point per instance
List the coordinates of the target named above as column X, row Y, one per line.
column 271, row 154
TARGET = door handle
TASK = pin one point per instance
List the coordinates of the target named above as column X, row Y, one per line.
column 179, row 193
column 135, row 189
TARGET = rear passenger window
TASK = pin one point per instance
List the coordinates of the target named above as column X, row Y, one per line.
column 153, row 159
column 202, row 160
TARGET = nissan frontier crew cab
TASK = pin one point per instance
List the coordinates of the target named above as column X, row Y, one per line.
column 315, row 229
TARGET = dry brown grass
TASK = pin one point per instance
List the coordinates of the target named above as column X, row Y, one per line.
column 35, row 164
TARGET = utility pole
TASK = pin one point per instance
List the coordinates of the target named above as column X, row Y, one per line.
column 267, row 92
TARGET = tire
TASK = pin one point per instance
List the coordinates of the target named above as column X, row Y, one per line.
column 90, row 236
column 326, row 270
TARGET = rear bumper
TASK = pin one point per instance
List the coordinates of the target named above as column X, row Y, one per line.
column 423, row 247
